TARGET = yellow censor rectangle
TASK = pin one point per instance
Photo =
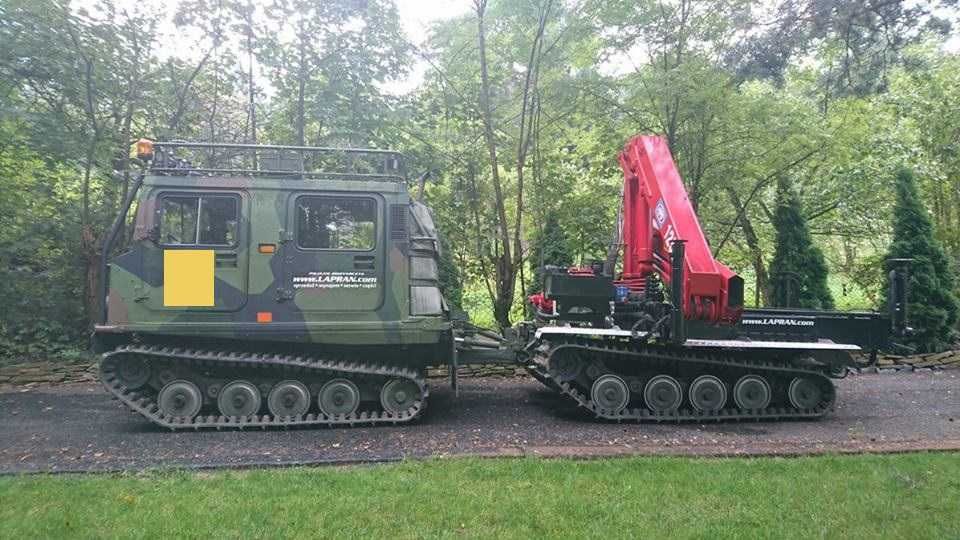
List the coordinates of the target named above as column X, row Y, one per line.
column 188, row 277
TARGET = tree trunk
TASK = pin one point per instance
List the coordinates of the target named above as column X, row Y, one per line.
column 762, row 291
column 89, row 250
column 126, row 131
column 123, row 153
column 481, row 256
column 91, row 284
column 173, row 124
column 506, row 272
column 88, row 239
column 529, row 110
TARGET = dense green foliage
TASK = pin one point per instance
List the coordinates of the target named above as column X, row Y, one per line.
column 894, row 496
column 932, row 306
column 798, row 272
column 38, row 203
column 451, row 283
column 549, row 249
column 518, row 109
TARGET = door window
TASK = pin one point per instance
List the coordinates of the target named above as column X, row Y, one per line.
column 199, row 220
column 344, row 223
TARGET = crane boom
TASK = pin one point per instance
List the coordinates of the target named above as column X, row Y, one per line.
column 657, row 212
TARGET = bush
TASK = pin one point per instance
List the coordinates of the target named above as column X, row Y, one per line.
column 798, row 271
column 932, row 307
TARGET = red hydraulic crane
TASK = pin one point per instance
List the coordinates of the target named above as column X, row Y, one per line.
column 656, row 213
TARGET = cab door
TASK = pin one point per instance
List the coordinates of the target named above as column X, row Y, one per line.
column 336, row 261
column 199, row 251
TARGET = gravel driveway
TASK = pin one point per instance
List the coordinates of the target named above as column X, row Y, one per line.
column 78, row 427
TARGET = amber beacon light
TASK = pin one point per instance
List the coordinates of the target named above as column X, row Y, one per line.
column 144, row 149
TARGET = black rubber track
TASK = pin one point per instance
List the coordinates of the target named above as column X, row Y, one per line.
column 615, row 348
column 144, row 402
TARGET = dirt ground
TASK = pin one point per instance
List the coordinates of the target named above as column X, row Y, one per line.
column 78, row 427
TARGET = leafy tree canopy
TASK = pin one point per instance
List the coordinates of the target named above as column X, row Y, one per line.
column 518, row 109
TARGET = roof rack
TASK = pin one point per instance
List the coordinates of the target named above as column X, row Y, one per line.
column 179, row 158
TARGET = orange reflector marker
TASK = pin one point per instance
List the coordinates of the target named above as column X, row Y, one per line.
column 145, row 149
column 267, row 248
column 264, row 317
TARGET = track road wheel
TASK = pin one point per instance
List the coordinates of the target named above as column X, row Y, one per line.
column 752, row 392
column 133, row 372
column 288, row 398
column 566, row 367
column 804, row 393
column 339, row 396
column 708, row 393
column 610, row 393
column 663, row 393
column 180, row 399
column 239, row 398
column 399, row 395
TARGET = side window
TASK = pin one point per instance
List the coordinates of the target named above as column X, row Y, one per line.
column 348, row 223
column 198, row 220
column 178, row 220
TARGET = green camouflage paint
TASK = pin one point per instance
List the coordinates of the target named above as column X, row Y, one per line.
column 249, row 282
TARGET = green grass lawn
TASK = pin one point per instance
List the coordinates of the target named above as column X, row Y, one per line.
column 899, row 496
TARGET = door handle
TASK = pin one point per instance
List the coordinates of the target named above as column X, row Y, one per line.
column 363, row 262
column 225, row 260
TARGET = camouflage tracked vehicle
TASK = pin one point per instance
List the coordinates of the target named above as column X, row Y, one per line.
column 279, row 286
column 273, row 286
